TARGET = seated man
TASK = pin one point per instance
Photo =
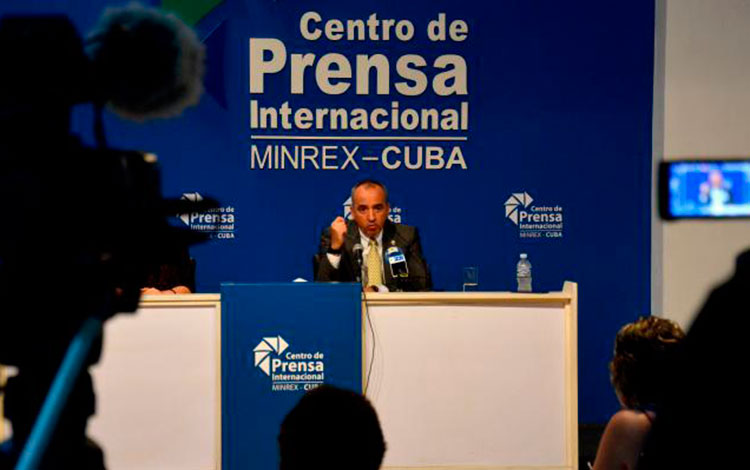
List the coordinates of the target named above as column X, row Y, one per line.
column 384, row 245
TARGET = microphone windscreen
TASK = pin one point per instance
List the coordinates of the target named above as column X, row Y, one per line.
column 147, row 64
column 357, row 251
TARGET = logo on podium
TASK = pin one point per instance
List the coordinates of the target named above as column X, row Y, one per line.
column 264, row 350
column 289, row 371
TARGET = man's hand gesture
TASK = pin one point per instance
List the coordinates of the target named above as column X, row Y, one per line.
column 338, row 232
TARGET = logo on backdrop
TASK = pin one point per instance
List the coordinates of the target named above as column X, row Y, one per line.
column 394, row 215
column 534, row 220
column 414, row 99
column 289, row 371
column 218, row 222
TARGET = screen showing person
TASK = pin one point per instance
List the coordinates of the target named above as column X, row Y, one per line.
column 704, row 189
column 382, row 255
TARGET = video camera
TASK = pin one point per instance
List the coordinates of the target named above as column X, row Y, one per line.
column 83, row 226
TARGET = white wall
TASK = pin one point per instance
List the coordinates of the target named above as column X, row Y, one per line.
column 706, row 114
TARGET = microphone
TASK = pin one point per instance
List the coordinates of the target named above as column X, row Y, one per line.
column 397, row 262
column 357, row 251
column 146, row 64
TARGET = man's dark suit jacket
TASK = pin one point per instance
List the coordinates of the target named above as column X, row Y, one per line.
column 402, row 236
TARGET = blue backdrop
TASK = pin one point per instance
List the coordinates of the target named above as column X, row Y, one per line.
column 552, row 124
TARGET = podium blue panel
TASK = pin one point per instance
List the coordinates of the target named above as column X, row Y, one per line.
column 279, row 340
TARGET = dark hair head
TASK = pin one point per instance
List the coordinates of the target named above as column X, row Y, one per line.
column 331, row 429
column 644, row 354
column 367, row 183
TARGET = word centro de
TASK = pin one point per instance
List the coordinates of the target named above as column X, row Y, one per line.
column 342, row 157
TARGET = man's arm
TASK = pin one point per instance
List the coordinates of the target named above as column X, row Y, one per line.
column 330, row 252
column 326, row 271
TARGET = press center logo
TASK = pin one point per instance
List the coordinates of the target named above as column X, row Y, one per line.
column 289, row 371
column 394, row 215
column 218, row 222
column 533, row 220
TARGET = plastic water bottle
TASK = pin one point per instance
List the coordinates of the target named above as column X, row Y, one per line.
column 523, row 274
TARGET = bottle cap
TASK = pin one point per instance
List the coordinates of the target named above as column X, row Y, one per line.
column 523, row 256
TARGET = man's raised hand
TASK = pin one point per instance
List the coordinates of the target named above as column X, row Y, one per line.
column 338, row 231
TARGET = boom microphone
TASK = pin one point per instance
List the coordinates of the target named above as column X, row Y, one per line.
column 145, row 63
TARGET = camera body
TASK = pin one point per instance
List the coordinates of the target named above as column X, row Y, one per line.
column 82, row 226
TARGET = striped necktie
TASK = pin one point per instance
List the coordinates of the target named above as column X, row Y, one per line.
column 374, row 266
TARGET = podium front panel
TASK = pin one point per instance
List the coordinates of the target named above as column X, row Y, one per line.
column 278, row 341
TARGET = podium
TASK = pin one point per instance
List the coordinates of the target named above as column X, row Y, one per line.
column 278, row 341
column 465, row 381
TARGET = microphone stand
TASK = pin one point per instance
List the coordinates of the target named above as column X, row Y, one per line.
column 73, row 363
column 357, row 250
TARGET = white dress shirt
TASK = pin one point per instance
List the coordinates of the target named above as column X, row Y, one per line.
column 364, row 240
